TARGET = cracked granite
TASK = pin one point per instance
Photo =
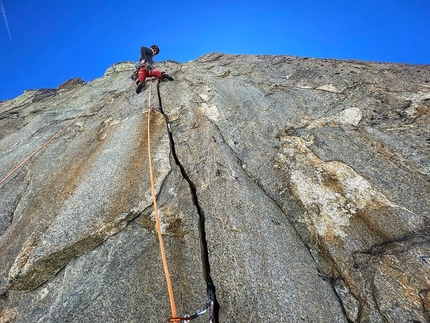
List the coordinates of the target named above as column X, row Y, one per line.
column 299, row 186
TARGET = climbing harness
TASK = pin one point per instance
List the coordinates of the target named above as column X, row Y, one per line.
column 210, row 305
column 52, row 138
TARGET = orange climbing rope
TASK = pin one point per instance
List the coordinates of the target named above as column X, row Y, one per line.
column 174, row 318
column 46, row 143
column 211, row 297
column 157, row 220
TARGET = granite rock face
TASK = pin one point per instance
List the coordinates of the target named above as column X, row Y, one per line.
column 299, row 187
column 71, row 84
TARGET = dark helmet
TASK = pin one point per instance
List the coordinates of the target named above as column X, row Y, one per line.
column 155, row 48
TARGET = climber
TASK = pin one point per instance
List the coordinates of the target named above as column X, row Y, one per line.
column 144, row 67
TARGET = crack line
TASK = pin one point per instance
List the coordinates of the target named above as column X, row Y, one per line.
column 203, row 242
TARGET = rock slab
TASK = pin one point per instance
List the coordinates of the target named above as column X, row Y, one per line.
column 300, row 187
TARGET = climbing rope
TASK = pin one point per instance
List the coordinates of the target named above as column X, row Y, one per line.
column 210, row 305
column 52, row 138
column 157, row 220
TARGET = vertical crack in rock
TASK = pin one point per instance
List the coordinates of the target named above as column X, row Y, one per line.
column 321, row 273
column 200, row 212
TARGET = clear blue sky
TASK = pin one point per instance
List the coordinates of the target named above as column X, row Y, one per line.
column 44, row 43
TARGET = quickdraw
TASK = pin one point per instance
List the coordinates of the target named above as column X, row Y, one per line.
column 209, row 307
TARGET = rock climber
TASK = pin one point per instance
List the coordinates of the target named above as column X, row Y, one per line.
column 144, row 67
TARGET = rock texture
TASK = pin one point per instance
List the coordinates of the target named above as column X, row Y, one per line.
column 300, row 187
column 71, row 84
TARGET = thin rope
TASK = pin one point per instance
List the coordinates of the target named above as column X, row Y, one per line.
column 157, row 221
column 46, row 143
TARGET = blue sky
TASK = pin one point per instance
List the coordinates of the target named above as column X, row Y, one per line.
column 45, row 43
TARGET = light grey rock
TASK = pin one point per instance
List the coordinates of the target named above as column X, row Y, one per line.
column 300, row 187
column 120, row 67
column 71, row 84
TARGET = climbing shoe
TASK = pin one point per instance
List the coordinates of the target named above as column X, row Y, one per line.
column 166, row 76
column 139, row 87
